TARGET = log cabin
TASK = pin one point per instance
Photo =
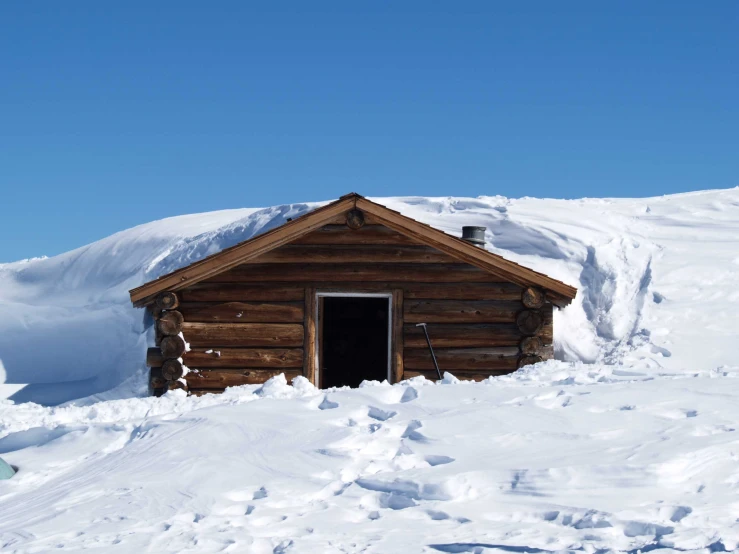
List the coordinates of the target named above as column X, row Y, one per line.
column 337, row 296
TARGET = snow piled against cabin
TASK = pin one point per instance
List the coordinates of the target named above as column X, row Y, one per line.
column 628, row 441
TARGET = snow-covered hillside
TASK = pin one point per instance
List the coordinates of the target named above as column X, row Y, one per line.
column 627, row 442
column 657, row 280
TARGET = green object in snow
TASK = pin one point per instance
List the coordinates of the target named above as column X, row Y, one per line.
column 6, row 472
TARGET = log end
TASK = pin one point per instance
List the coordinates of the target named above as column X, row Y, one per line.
column 354, row 219
column 533, row 298
column 529, row 322
column 170, row 323
column 172, row 370
column 528, row 360
column 172, row 347
column 531, row 346
column 167, row 301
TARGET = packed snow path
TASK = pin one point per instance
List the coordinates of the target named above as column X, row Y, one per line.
column 559, row 458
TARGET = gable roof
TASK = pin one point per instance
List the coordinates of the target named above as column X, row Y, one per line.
column 558, row 292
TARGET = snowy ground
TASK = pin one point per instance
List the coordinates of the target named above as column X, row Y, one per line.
column 562, row 458
column 627, row 443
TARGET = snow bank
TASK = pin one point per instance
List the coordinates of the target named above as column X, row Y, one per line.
column 628, row 443
column 657, row 280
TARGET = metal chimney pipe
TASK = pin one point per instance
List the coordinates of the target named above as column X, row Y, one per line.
column 474, row 235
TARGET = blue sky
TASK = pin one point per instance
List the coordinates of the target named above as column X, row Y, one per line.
column 114, row 114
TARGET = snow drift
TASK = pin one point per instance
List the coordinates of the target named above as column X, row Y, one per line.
column 656, row 277
column 627, row 443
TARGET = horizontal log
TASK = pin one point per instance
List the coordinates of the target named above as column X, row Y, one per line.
column 235, row 292
column 242, row 334
column 460, row 335
column 241, row 358
column 154, row 357
column 463, row 291
column 203, row 392
column 461, row 374
column 368, row 234
column 170, row 323
column 470, row 359
column 222, row 378
column 460, row 311
column 243, row 312
column 353, row 254
column 428, row 273
column 442, row 291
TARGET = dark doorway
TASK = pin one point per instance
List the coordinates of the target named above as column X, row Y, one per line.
column 354, row 340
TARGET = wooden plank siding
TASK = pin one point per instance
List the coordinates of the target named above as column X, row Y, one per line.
column 257, row 319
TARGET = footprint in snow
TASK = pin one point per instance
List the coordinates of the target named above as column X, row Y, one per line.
column 261, row 493
column 380, row 415
column 283, row 547
column 438, row 515
column 681, row 512
column 409, row 395
column 327, row 404
column 403, row 450
column 411, row 432
column 438, row 460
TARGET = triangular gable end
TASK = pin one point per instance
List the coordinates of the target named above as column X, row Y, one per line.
column 558, row 292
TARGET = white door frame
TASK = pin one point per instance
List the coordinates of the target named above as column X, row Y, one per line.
column 349, row 294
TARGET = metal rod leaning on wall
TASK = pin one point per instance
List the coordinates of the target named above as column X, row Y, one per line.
column 431, row 349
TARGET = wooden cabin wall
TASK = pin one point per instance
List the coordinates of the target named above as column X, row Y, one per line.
column 250, row 323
